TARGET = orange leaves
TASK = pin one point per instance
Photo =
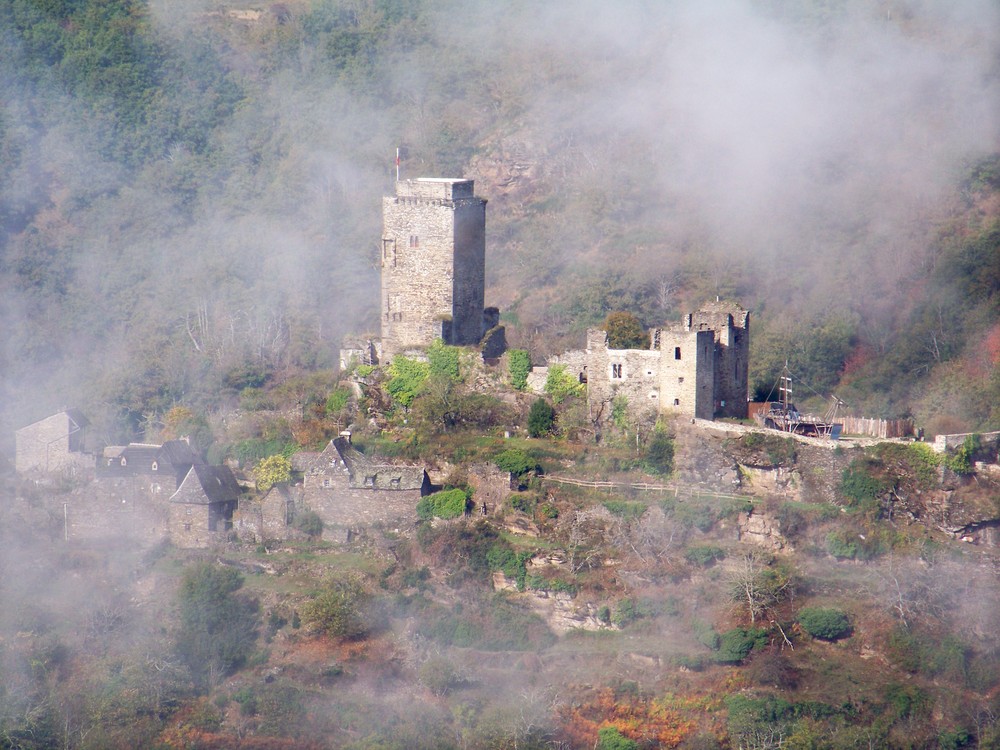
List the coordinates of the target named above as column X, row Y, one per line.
column 647, row 721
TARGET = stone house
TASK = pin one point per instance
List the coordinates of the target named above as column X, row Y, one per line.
column 698, row 367
column 52, row 444
column 350, row 491
column 201, row 510
column 162, row 467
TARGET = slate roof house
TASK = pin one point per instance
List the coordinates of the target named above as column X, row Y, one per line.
column 348, row 490
column 201, row 510
column 168, row 463
column 51, row 444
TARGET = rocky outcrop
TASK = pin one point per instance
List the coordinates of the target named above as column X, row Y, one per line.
column 760, row 529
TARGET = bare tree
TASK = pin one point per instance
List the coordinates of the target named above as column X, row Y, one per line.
column 756, row 585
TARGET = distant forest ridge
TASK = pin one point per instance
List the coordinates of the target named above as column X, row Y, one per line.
column 189, row 202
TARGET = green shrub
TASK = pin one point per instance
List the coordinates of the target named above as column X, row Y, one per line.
column 625, row 331
column 735, row 645
column 843, row 545
column 523, row 502
column 629, row 610
column 625, row 509
column 660, row 452
column 445, row 504
column 438, row 675
column 906, row 701
column 827, row 623
column 309, row 522
column 515, row 461
column 271, row 471
column 519, row 365
column 704, row 554
column 541, row 418
column 425, row 508
column 513, row 564
column 560, row 385
column 443, row 361
column 218, row 629
column 609, row 738
column 338, row 399
column 406, row 379
column 961, row 461
column 339, row 609
column 859, row 484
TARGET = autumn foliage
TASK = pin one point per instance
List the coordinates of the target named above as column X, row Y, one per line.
column 648, row 721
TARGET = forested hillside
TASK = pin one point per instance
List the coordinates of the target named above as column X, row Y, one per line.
column 190, row 191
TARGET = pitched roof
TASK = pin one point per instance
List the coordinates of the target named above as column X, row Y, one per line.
column 216, row 484
column 367, row 474
column 178, row 453
column 75, row 416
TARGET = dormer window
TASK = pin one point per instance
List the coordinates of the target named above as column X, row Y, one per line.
column 156, row 466
column 124, row 461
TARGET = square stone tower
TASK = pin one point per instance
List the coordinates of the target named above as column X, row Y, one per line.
column 433, row 265
column 731, row 326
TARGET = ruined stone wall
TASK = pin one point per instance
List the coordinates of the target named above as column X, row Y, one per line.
column 943, row 443
column 676, row 377
column 100, row 510
column 599, row 392
column 268, row 518
column 433, row 265
column 490, row 485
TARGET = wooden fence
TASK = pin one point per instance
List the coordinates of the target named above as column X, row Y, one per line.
column 880, row 428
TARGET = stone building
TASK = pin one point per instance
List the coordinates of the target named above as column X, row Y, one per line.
column 697, row 367
column 201, row 510
column 349, row 491
column 52, row 444
column 434, row 270
column 269, row 518
column 163, row 467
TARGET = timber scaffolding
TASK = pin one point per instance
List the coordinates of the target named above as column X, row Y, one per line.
column 678, row 491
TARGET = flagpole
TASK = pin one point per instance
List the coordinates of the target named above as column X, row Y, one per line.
column 397, row 163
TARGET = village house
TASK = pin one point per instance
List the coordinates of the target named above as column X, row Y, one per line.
column 349, row 491
column 55, row 443
column 201, row 510
column 161, row 468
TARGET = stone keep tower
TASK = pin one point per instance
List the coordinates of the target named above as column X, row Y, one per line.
column 731, row 326
column 433, row 265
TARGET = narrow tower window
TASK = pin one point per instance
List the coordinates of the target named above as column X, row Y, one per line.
column 677, row 352
column 616, row 370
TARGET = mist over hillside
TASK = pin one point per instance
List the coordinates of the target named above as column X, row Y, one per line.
column 191, row 190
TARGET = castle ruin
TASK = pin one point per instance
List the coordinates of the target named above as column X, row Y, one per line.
column 697, row 367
